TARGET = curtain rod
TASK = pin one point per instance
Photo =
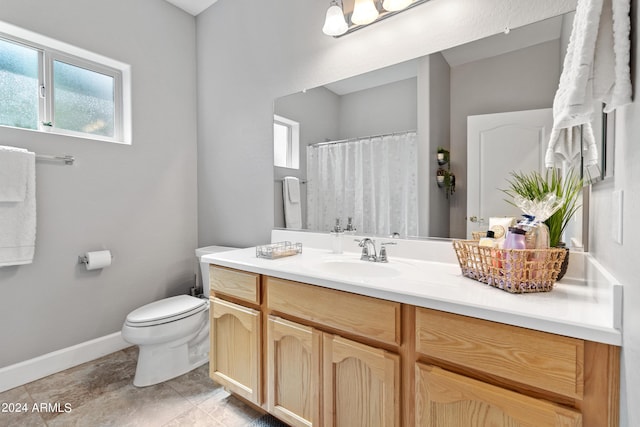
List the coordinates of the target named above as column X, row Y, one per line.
column 342, row 141
column 302, row 181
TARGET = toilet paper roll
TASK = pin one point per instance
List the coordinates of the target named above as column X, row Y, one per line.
column 98, row 259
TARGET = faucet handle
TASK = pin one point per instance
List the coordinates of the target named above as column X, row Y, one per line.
column 363, row 242
column 383, row 251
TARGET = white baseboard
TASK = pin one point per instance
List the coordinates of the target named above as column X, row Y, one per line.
column 39, row 367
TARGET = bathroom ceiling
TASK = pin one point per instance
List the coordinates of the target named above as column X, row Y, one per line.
column 193, row 7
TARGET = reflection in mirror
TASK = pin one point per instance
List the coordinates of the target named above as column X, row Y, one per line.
column 434, row 96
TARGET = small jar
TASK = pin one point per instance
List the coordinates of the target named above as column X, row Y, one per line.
column 489, row 240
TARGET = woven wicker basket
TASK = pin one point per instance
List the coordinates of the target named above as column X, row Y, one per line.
column 477, row 235
column 512, row 270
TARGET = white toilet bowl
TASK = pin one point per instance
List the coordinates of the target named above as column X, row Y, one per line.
column 172, row 334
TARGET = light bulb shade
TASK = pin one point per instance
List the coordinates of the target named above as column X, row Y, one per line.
column 395, row 5
column 364, row 12
column 334, row 23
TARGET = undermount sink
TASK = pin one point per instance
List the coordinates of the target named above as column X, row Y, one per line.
column 357, row 268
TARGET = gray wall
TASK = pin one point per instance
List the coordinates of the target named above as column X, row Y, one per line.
column 139, row 200
column 622, row 259
column 439, row 136
column 526, row 79
column 383, row 109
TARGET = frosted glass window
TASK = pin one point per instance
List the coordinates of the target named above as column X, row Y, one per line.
column 51, row 87
column 83, row 100
column 19, row 103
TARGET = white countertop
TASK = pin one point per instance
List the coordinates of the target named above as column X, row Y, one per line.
column 586, row 308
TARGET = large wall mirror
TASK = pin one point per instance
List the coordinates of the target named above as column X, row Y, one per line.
column 380, row 132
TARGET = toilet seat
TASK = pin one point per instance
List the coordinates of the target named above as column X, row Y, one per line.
column 166, row 311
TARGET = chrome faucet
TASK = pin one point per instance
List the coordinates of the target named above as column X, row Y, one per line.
column 369, row 250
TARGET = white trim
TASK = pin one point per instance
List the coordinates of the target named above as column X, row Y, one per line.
column 39, row 367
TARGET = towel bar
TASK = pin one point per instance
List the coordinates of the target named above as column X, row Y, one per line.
column 68, row 160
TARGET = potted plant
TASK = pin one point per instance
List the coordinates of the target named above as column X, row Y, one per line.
column 442, row 156
column 441, row 175
column 534, row 186
column 446, row 180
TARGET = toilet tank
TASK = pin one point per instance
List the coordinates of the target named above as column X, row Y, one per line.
column 203, row 277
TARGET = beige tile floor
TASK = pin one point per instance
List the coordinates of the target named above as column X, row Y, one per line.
column 101, row 393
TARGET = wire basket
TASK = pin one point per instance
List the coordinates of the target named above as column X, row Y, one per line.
column 477, row 235
column 278, row 250
column 512, row 270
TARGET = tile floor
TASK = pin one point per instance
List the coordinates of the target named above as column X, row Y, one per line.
column 101, row 393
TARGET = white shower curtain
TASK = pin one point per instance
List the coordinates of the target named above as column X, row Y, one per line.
column 373, row 180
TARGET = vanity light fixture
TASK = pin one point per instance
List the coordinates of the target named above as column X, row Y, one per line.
column 335, row 23
column 351, row 15
column 364, row 12
column 395, row 5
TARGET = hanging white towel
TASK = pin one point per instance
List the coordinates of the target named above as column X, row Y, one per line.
column 291, row 198
column 13, row 174
column 18, row 218
column 596, row 68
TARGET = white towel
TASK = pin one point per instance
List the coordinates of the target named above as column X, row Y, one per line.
column 596, row 67
column 13, row 174
column 18, row 221
column 293, row 188
column 291, row 198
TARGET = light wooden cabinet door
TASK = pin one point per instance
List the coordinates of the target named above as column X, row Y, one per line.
column 293, row 372
column 445, row 399
column 235, row 348
column 361, row 384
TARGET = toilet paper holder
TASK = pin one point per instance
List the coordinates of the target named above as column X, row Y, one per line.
column 98, row 264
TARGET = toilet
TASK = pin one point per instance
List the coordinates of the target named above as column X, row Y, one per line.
column 172, row 334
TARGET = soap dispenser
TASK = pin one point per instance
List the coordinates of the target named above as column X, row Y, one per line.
column 350, row 229
column 336, row 238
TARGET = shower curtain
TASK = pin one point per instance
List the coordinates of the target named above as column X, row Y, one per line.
column 372, row 180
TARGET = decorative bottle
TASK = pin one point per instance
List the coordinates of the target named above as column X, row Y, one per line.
column 514, row 260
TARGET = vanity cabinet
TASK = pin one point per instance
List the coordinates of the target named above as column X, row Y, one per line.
column 445, row 399
column 478, row 373
column 315, row 356
column 361, row 384
column 293, row 372
column 235, row 358
column 356, row 383
column 235, row 348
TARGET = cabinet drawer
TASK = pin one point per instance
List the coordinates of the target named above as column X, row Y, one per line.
column 446, row 399
column 238, row 284
column 539, row 359
column 365, row 316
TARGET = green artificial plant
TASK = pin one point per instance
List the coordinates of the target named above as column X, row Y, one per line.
column 533, row 186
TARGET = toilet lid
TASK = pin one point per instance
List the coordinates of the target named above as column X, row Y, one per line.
column 165, row 310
